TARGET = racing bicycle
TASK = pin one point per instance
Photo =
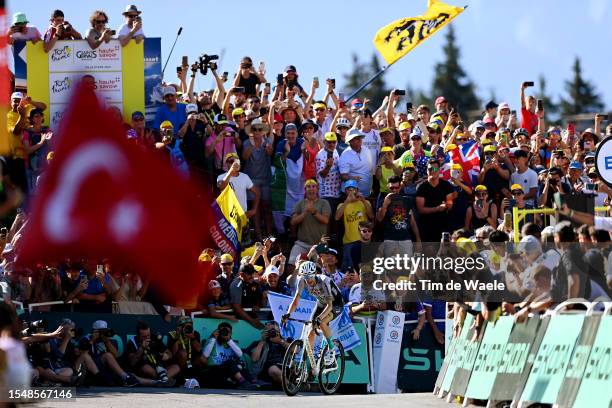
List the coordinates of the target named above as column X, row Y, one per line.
column 300, row 360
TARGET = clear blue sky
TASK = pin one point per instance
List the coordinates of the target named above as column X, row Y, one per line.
column 502, row 43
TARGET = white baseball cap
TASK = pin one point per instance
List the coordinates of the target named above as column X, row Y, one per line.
column 191, row 383
column 100, row 325
column 191, row 108
column 17, row 95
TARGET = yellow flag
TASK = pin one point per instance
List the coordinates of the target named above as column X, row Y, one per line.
column 398, row 38
column 230, row 221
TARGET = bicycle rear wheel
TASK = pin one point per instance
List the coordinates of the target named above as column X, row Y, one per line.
column 330, row 378
column 293, row 368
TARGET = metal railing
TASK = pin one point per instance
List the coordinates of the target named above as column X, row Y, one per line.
column 246, row 309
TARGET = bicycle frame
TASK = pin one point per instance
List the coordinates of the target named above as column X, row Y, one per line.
column 307, row 348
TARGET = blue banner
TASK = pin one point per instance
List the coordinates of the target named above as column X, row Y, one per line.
column 153, row 77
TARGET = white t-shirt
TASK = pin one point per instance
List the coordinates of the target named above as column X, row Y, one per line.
column 240, row 184
column 372, row 144
column 125, row 30
column 31, row 33
column 358, row 164
column 330, row 185
column 323, row 129
column 355, row 298
column 527, row 180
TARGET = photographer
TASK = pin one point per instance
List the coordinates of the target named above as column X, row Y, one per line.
column 132, row 29
column 98, row 352
column 20, row 31
column 59, row 29
column 268, row 353
column 184, row 344
column 149, row 357
column 248, row 78
column 222, row 356
column 58, row 352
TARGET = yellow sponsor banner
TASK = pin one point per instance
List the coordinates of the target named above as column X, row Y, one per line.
column 397, row 39
column 118, row 73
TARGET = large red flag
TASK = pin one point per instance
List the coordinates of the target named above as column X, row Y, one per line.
column 105, row 197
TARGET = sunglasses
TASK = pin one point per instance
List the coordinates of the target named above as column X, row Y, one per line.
column 132, row 15
column 257, row 129
column 138, row 119
column 481, row 194
column 226, row 263
column 517, row 192
column 415, row 138
column 320, row 110
column 366, row 231
column 433, row 168
column 101, row 21
column 331, row 141
column 394, row 187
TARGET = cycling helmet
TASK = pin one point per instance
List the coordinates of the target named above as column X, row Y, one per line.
column 343, row 122
column 521, row 131
column 308, row 269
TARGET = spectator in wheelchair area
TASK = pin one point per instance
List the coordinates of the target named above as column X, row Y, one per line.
column 149, row 357
column 186, row 348
column 267, row 354
column 223, row 359
column 98, row 353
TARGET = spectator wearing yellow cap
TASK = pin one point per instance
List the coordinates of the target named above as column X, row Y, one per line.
column 172, row 145
column 323, row 118
column 495, row 173
column 240, row 183
column 310, row 217
column 461, row 195
column 226, row 272
column 384, row 170
column 170, row 110
column 482, row 212
column 518, row 201
column 240, row 121
column 404, row 129
column 328, row 174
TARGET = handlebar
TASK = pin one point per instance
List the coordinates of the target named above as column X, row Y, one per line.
column 299, row 320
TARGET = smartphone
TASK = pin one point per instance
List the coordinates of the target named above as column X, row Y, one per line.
column 400, row 92
column 185, row 61
column 528, row 84
column 239, row 89
column 330, row 154
column 279, row 79
column 512, row 204
column 507, row 220
column 333, row 83
column 113, row 32
column 571, row 127
column 179, row 70
column 461, row 126
column 603, row 117
column 446, row 237
column 540, row 103
column 408, row 106
column 262, row 66
column 224, row 76
column 99, row 268
column 267, row 85
column 513, row 113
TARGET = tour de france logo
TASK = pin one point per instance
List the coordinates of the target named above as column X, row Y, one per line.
column 61, row 85
column 395, row 320
column 381, row 320
column 394, row 335
column 378, row 338
column 60, row 54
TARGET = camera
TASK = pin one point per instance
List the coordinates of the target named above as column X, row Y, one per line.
column 84, row 344
column 224, row 332
column 205, row 62
column 36, row 326
column 188, row 329
column 272, row 333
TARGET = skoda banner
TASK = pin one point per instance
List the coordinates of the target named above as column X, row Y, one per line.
column 420, row 360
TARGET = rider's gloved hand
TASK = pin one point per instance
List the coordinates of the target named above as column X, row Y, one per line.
column 317, row 321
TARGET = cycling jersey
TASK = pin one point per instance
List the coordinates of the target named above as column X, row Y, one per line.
column 324, row 291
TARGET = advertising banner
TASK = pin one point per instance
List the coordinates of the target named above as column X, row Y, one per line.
column 117, row 73
column 449, row 367
column 420, row 360
column 517, row 359
column 387, row 346
column 490, row 355
column 553, row 356
column 595, row 390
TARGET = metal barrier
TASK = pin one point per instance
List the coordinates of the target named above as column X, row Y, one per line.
column 31, row 306
column 519, row 215
column 246, row 309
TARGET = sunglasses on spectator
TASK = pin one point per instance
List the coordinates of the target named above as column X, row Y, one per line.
column 395, row 187
column 320, row 109
column 415, row 138
column 226, row 263
column 257, row 129
column 101, row 21
column 517, row 192
column 481, row 194
column 460, row 139
column 365, row 231
column 331, row 141
column 433, row 168
column 138, row 119
column 132, row 15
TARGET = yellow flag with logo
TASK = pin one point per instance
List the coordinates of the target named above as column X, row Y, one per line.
column 398, row 38
column 229, row 222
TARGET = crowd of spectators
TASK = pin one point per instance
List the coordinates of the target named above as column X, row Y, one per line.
column 319, row 179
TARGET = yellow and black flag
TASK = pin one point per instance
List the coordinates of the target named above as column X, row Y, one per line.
column 398, row 38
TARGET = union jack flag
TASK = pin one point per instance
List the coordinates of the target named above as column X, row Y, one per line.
column 468, row 156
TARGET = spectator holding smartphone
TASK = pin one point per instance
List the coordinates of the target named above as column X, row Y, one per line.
column 20, row 31
column 98, row 33
column 59, row 29
column 247, row 77
column 132, row 29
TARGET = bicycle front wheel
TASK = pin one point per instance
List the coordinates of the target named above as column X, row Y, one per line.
column 330, row 376
column 294, row 366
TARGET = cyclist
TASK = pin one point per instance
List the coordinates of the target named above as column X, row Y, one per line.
column 328, row 298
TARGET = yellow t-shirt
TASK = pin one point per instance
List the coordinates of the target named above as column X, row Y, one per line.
column 354, row 213
column 16, row 141
column 386, row 173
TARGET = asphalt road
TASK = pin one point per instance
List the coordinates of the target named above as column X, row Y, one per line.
column 154, row 397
